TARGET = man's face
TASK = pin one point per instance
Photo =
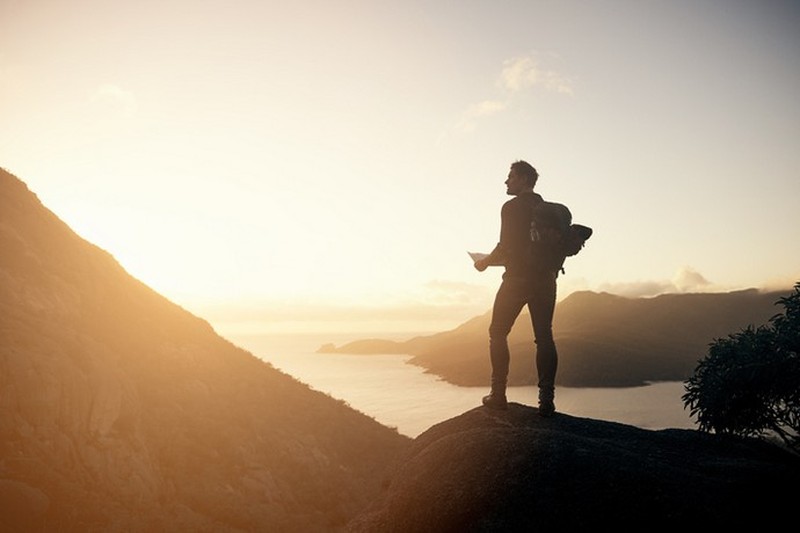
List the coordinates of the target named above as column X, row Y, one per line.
column 515, row 183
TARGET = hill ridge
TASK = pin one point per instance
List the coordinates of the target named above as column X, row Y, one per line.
column 120, row 410
column 604, row 340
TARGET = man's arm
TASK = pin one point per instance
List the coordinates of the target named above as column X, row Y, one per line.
column 497, row 256
column 494, row 258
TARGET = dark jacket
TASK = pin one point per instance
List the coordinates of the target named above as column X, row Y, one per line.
column 514, row 249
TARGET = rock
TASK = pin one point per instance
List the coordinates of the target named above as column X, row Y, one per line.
column 515, row 471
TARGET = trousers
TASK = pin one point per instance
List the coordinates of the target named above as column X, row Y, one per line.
column 538, row 292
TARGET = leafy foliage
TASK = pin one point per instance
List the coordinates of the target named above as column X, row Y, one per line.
column 749, row 383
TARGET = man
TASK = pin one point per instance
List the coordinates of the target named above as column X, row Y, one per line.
column 529, row 279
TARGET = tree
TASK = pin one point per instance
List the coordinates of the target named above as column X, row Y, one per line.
column 749, row 383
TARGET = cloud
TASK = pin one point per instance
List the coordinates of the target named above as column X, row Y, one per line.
column 637, row 289
column 114, row 100
column 517, row 76
column 783, row 283
column 486, row 108
column 523, row 73
column 685, row 280
column 689, row 280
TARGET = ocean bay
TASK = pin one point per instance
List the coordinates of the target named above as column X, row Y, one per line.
column 401, row 395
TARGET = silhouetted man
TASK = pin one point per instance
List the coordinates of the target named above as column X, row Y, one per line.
column 529, row 279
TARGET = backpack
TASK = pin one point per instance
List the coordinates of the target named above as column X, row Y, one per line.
column 553, row 235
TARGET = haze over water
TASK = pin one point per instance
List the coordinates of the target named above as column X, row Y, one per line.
column 403, row 396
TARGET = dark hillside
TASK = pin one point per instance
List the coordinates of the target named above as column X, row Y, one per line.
column 121, row 411
column 603, row 340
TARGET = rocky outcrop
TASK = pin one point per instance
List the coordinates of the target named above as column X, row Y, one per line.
column 121, row 411
column 488, row 471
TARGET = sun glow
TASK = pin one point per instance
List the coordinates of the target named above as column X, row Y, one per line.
column 300, row 152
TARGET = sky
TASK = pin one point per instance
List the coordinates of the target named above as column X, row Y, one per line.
column 324, row 166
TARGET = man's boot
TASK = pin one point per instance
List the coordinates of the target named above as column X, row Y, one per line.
column 496, row 399
column 547, row 406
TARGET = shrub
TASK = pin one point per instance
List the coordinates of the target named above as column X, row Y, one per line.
column 749, row 383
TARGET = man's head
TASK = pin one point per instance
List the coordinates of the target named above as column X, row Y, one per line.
column 521, row 178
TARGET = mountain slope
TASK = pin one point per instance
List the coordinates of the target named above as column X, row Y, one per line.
column 603, row 340
column 119, row 410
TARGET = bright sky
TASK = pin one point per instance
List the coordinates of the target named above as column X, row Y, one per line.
column 326, row 165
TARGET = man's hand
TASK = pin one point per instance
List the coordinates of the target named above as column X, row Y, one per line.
column 481, row 264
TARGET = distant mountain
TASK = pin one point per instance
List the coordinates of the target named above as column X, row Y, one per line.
column 488, row 471
column 121, row 411
column 603, row 340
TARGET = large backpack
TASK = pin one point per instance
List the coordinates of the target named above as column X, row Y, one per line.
column 553, row 235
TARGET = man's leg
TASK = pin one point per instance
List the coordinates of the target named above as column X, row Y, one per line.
column 542, row 307
column 508, row 302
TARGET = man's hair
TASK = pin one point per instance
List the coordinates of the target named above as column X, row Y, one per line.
column 526, row 170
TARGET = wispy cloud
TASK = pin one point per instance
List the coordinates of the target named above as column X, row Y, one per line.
column 518, row 75
column 522, row 73
column 484, row 109
column 685, row 280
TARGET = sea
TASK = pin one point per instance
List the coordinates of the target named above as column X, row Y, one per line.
column 397, row 394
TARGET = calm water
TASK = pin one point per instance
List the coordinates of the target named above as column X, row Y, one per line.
column 403, row 396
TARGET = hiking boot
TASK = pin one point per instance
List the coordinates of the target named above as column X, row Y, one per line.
column 495, row 401
column 547, row 407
